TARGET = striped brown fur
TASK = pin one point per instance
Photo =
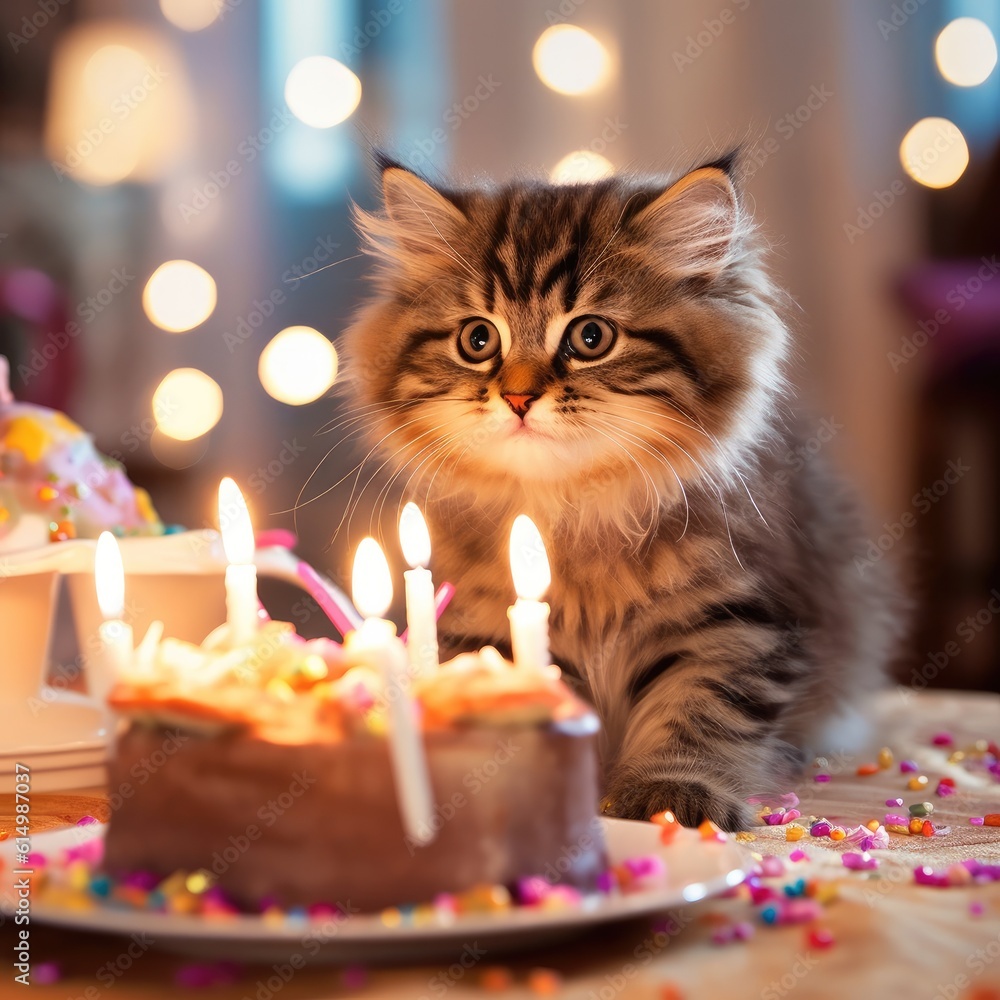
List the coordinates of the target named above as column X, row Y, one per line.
column 704, row 596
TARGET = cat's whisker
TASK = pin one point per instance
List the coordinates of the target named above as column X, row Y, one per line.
column 434, row 447
column 309, row 274
column 356, row 469
column 663, row 459
column 455, row 255
column 611, row 239
column 351, row 501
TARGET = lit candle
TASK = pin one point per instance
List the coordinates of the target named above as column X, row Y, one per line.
column 529, row 615
column 421, row 642
column 115, row 651
column 241, row 574
column 376, row 644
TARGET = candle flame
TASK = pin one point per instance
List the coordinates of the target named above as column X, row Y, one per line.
column 529, row 565
column 109, row 574
column 371, row 581
column 414, row 537
column 235, row 524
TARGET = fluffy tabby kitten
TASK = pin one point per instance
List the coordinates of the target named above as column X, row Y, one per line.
column 607, row 358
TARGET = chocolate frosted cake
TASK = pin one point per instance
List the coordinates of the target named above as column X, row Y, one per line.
column 269, row 769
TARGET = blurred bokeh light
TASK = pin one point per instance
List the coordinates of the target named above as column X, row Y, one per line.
column 191, row 15
column 581, row 166
column 934, row 152
column 298, row 365
column 179, row 296
column 119, row 105
column 187, row 404
column 321, row 91
column 571, row 60
column 966, row 52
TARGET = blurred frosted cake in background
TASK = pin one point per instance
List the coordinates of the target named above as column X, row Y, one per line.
column 55, row 485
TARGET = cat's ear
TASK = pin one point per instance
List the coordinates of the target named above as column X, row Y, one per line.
column 424, row 218
column 694, row 222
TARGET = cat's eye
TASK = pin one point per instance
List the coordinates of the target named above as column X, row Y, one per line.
column 589, row 338
column 478, row 340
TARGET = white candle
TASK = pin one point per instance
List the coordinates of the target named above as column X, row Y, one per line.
column 421, row 640
column 529, row 615
column 114, row 655
column 377, row 644
column 241, row 574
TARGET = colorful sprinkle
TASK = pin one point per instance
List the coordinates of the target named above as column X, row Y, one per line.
column 908, row 767
column 859, row 862
column 495, row 978
column 354, row 977
column 868, row 769
column 204, row 975
column 772, row 866
column 544, row 982
column 820, row 937
column 991, row 819
column 885, row 758
column 709, row 831
column 918, row 783
column 822, row 778
column 45, row 973
column 921, row 808
column 893, row 802
column 942, row 739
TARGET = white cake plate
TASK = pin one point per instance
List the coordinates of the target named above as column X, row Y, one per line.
column 696, row 869
column 63, row 740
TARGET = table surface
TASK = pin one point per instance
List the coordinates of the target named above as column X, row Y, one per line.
column 889, row 934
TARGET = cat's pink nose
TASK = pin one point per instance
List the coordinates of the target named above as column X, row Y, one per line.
column 519, row 402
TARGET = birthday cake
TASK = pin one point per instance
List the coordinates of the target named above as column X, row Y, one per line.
column 268, row 769
column 55, row 485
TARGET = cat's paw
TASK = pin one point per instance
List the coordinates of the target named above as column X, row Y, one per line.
column 691, row 801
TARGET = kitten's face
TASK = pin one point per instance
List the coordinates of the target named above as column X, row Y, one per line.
column 606, row 332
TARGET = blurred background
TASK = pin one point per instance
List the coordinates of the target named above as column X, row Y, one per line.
column 175, row 183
